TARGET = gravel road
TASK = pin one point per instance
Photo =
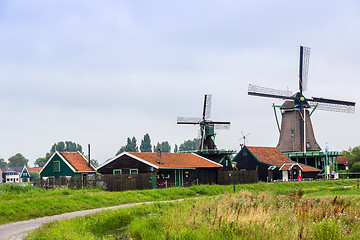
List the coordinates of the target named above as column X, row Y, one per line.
column 17, row 230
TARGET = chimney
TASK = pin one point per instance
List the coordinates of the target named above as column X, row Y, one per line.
column 89, row 155
column 158, row 157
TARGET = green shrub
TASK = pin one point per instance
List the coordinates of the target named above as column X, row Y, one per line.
column 329, row 229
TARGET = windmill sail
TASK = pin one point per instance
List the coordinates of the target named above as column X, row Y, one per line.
column 268, row 92
column 333, row 105
column 188, row 120
column 304, row 66
column 207, row 107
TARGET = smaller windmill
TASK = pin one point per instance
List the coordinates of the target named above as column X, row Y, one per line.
column 244, row 137
column 207, row 127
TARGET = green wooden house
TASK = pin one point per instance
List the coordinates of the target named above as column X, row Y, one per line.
column 67, row 165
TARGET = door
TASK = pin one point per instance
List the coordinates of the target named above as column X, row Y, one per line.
column 153, row 180
column 84, row 180
column 179, row 177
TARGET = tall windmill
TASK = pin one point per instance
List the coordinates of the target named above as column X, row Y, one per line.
column 207, row 127
column 296, row 133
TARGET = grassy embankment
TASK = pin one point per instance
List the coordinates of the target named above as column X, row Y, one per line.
column 312, row 210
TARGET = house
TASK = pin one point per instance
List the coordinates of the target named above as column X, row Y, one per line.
column 272, row 164
column 31, row 172
column 342, row 162
column 67, row 165
column 173, row 169
column 34, row 169
column 14, row 175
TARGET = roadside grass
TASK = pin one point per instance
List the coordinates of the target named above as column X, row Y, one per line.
column 241, row 215
column 19, row 203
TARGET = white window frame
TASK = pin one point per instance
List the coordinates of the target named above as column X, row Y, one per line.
column 56, row 162
column 117, row 171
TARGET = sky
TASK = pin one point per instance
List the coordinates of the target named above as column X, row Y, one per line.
column 98, row 72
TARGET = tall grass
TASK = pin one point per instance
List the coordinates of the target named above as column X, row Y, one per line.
column 243, row 215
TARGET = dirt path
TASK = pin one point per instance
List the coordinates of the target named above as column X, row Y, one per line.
column 17, row 230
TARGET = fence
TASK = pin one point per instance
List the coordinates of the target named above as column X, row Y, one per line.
column 124, row 182
column 241, row 177
column 72, row 182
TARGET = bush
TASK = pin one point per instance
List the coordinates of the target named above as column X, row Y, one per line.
column 327, row 229
column 355, row 167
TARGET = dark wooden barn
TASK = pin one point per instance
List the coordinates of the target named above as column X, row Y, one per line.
column 173, row 169
column 268, row 161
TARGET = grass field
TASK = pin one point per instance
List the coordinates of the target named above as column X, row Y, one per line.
column 19, row 203
column 304, row 210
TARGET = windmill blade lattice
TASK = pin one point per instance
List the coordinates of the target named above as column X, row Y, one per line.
column 220, row 126
column 333, row 107
column 268, row 92
column 188, row 120
column 305, row 51
column 207, row 107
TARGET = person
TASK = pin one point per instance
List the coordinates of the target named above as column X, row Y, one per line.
column 299, row 178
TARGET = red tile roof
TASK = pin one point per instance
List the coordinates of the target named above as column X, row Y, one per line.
column 177, row 160
column 274, row 157
column 77, row 161
column 34, row 169
column 342, row 160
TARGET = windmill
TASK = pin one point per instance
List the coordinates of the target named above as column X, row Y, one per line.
column 244, row 137
column 296, row 132
column 207, row 127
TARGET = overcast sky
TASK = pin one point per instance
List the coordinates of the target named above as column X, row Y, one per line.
column 97, row 72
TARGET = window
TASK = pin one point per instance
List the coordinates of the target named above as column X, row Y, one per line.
column 292, row 133
column 167, row 175
column 117, row 171
column 56, row 166
column 134, row 171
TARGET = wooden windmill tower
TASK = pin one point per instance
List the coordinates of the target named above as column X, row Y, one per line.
column 207, row 127
column 296, row 132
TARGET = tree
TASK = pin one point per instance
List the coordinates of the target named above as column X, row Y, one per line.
column 40, row 162
column 122, row 149
column 176, row 148
column 18, row 160
column 34, row 176
column 3, row 163
column 145, row 144
column 94, row 162
column 355, row 167
column 66, row 146
column 164, row 147
column 131, row 145
column 190, row 145
column 353, row 155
